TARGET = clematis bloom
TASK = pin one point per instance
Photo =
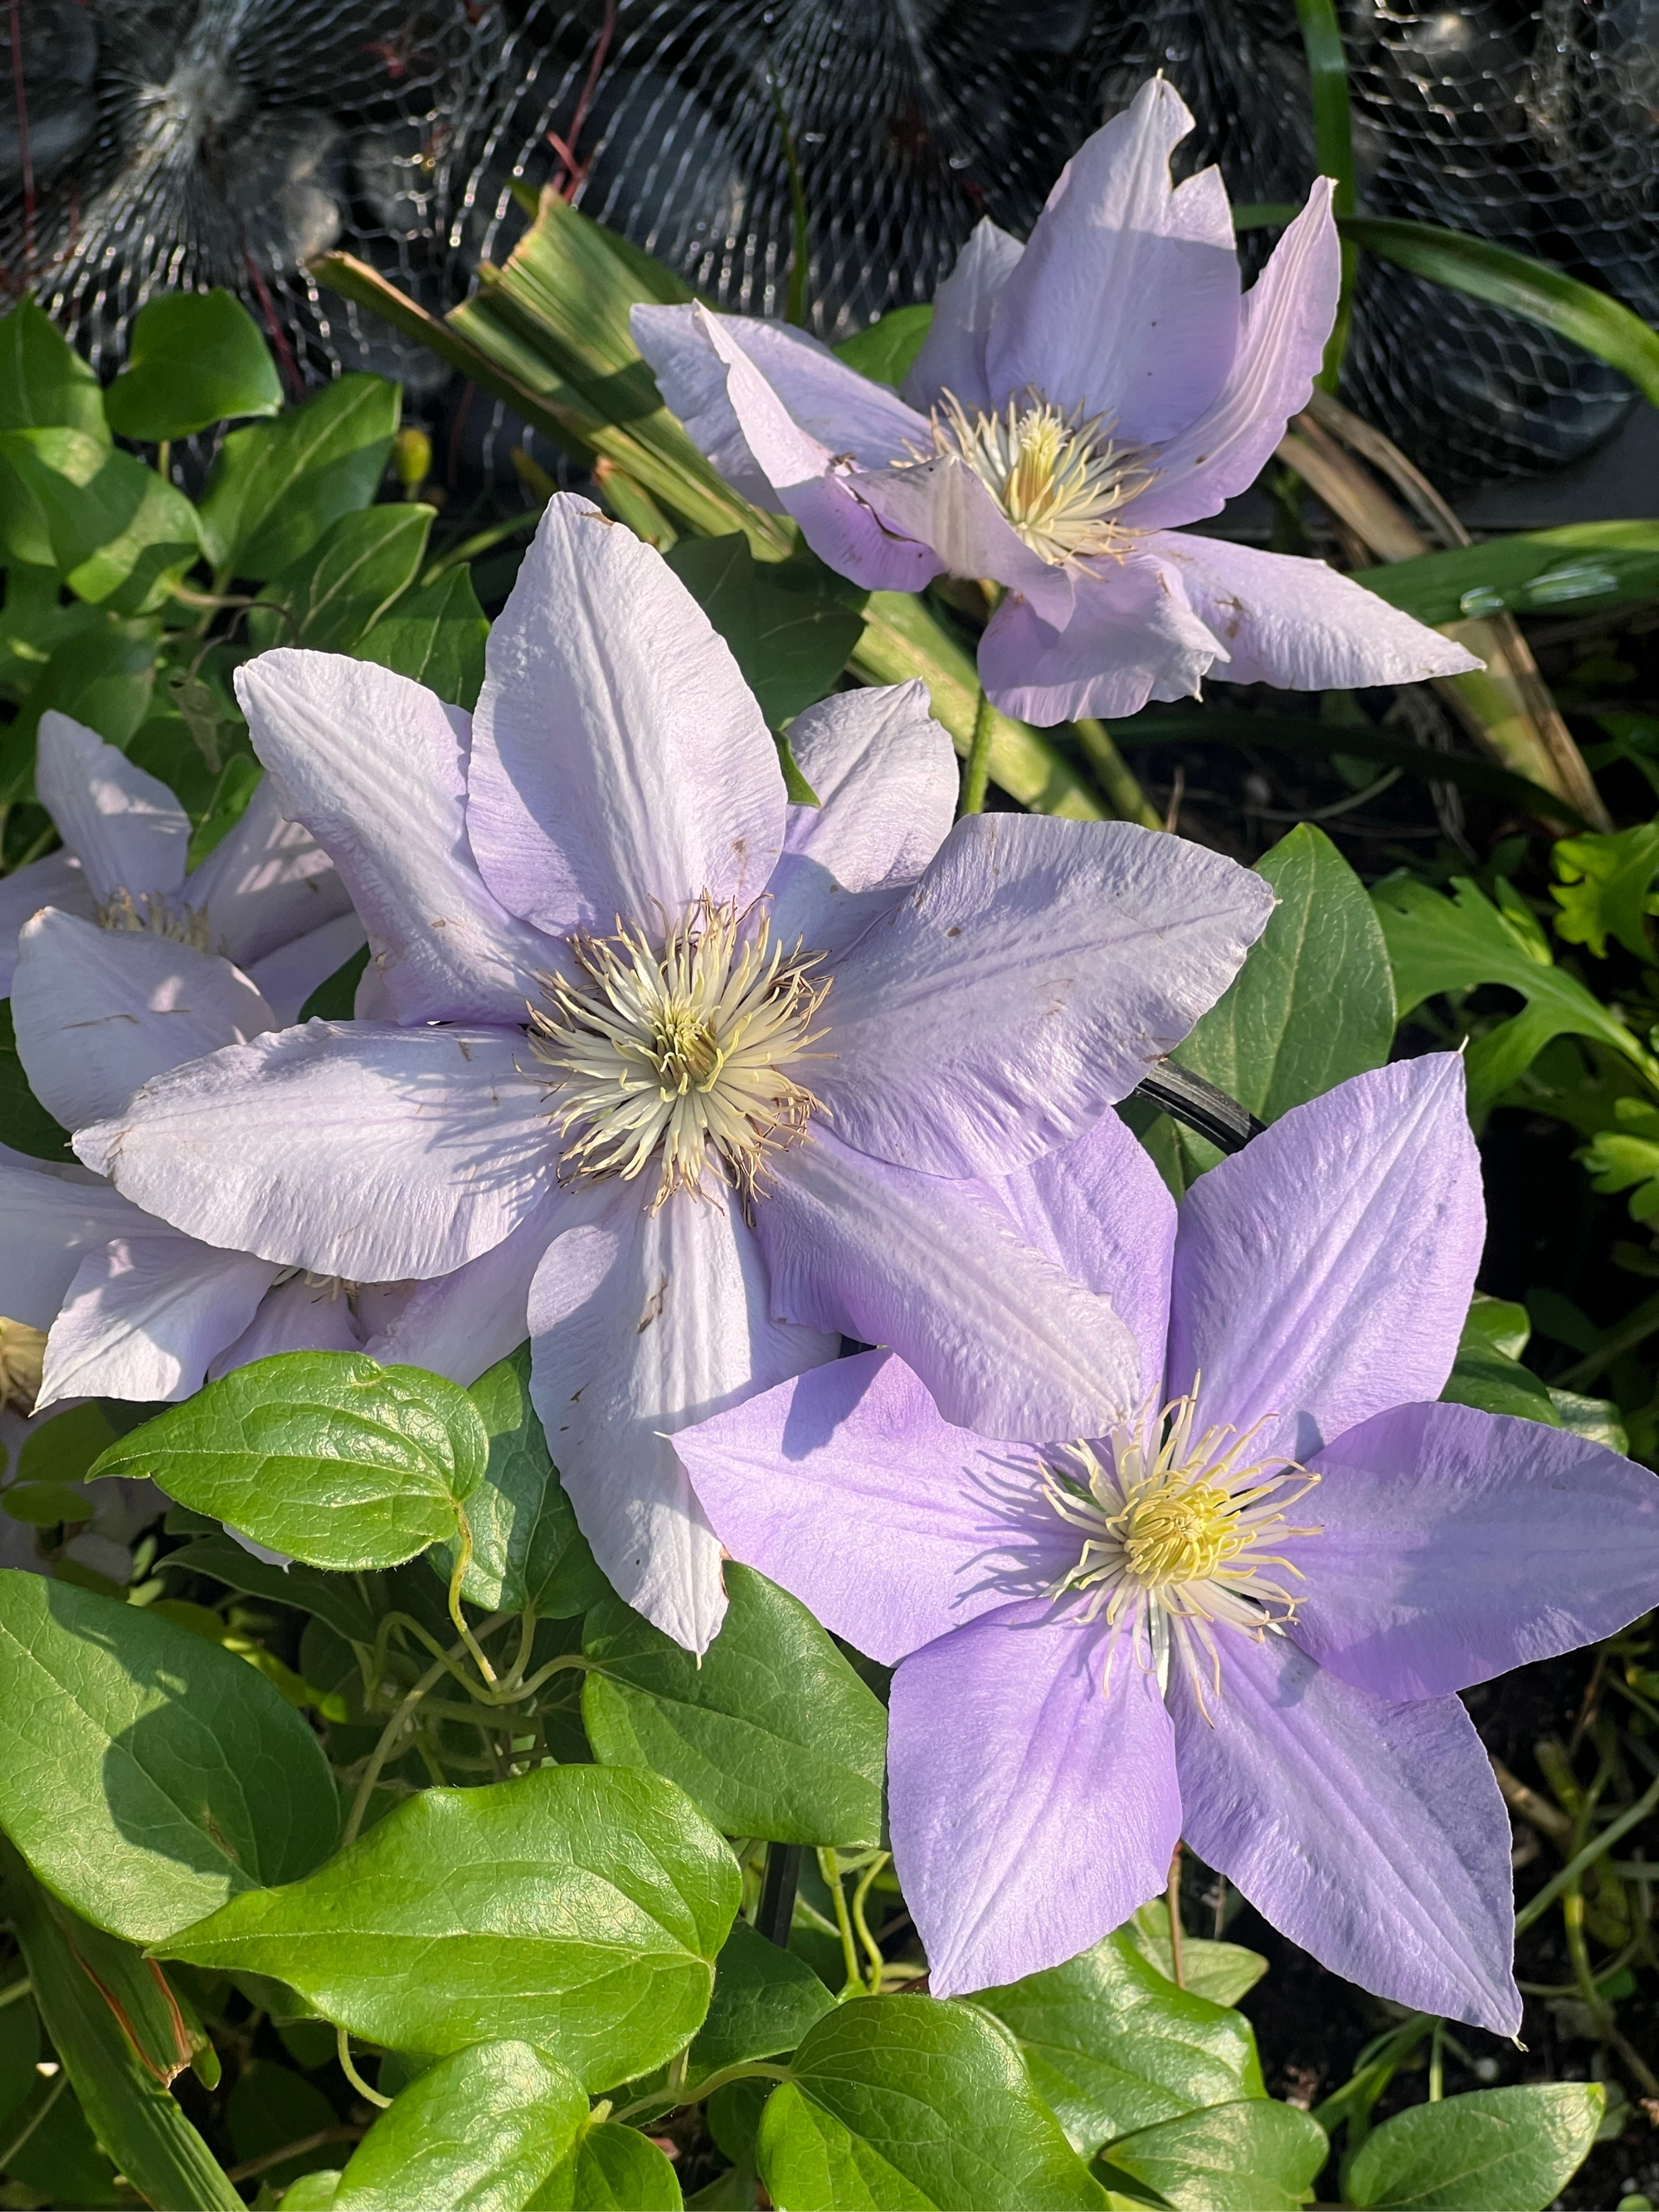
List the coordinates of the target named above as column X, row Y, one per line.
column 677, row 1078
column 1076, row 400
column 1241, row 1613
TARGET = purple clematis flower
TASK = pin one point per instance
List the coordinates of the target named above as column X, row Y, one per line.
column 679, row 1078
column 1076, row 400
column 1243, row 1619
column 138, row 971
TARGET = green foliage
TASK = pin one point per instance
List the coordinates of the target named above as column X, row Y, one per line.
column 611, row 2169
column 577, row 1909
column 436, row 637
column 1582, row 565
column 764, row 2001
column 1254, row 2156
column 325, row 1454
column 1494, row 2150
column 1606, row 889
column 791, row 626
column 145, row 1775
column 477, row 2132
column 335, row 591
column 886, row 349
column 771, row 1732
column 194, row 359
column 891, row 2102
column 277, row 486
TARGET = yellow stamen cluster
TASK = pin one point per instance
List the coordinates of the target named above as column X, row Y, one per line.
column 22, row 1356
column 153, row 915
column 678, row 1052
column 1058, row 478
column 1175, row 1531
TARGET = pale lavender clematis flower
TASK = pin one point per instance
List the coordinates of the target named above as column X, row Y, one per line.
column 1076, row 400
column 145, row 975
column 1176, row 1629
column 769, row 1043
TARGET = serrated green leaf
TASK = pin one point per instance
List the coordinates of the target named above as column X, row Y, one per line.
column 886, row 351
column 612, row 2169
column 526, row 1547
column 790, row 628
column 194, row 358
column 145, row 1775
column 577, row 1909
column 339, row 587
column 909, row 2101
column 1494, row 2150
column 1113, row 2046
column 435, row 636
column 1254, row 2156
column 326, row 1456
column 1606, row 889
column 1438, row 944
column 277, row 486
column 477, row 2132
column 771, row 1732
column 765, row 1999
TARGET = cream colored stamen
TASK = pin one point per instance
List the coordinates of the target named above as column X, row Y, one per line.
column 153, row 915
column 22, row 1356
column 1058, row 478
column 679, row 1053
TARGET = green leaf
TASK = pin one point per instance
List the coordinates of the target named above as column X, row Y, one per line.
column 277, row 486
column 102, row 675
column 312, row 2191
column 43, row 383
column 1587, row 565
column 611, row 2167
column 1488, row 1372
column 477, row 2132
column 886, row 351
column 911, row 2101
column 335, row 999
column 116, row 532
column 435, row 636
column 1606, row 889
column 340, row 586
column 772, row 1733
column 1112, row 2046
column 765, row 1999
column 1494, row 2150
column 327, row 1456
column 25, row 1124
column 194, row 358
column 1515, row 282
column 1257, row 2157
column 1437, row 944
column 1224, row 1972
column 577, row 1909
column 338, row 1600
column 526, row 1547
column 145, row 1775
column 63, row 1447
column 270, row 2107
column 790, row 628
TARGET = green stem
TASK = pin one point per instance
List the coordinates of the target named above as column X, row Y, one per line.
column 829, row 1867
column 54, row 2091
column 1631, row 1817
column 1117, row 780
column 748, row 2070
column 1437, row 2062
column 342, row 2048
column 1328, row 74
column 976, row 768
column 382, row 1750
column 463, row 1561
column 872, row 1948
column 795, row 309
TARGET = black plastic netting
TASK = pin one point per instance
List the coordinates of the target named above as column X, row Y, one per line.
column 192, row 143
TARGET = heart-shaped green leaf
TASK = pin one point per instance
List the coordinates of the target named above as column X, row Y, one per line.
column 477, row 2132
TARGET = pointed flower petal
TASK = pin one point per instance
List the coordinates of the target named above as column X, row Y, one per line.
column 127, row 827
column 620, row 764
column 144, row 1316
column 60, row 881
column 297, row 1315
column 1034, row 1806
column 460, row 1325
column 952, row 356
column 350, row 1148
column 266, row 882
column 1323, row 1274
column 1454, row 1545
column 51, row 1215
column 375, row 766
column 1132, row 636
column 1371, row 1833
column 1027, row 982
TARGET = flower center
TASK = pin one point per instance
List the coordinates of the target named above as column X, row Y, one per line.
column 22, row 1356
column 155, row 916
column 678, row 1052
column 1178, row 1530
column 1059, row 478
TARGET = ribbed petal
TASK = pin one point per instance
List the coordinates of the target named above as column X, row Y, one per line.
column 51, row 1215
column 353, row 1149
column 286, row 977
column 1033, row 1799
column 460, row 1325
column 1028, row 981
column 266, row 883
column 1132, row 636
column 1454, row 1545
column 375, row 766
column 60, row 881
column 948, row 1526
column 301, row 1314
column 620, row 764
column 127, row 827
column 952, row 356
column 1370, row 1833
column 146, row 1313
column 1323, row 1274
column 943, row 504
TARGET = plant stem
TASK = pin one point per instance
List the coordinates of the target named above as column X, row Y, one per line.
column 1328, row 75
column 746, row 2070
column 1177, row 1963
column 829, row 1867
column 1117, row 780
column 976, row 768
column 342, row 2048
column 1631, row 1817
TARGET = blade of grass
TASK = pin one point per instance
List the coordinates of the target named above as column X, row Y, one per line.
column 1328, row 78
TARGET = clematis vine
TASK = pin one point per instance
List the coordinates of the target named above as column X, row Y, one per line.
column 1077, row 400
column 678, row 1079
column 136, row 970
column 1242, row 1611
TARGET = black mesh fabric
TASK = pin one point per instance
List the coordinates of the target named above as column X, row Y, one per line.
column 201, row 142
